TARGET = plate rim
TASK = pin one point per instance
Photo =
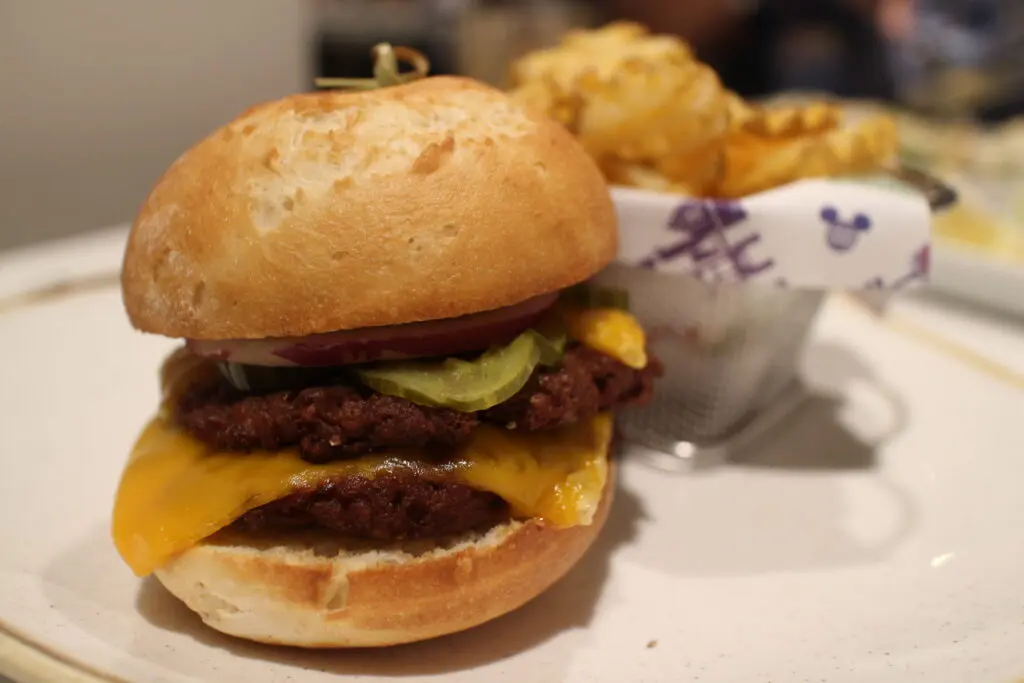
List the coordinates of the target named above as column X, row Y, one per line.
column 24, row 660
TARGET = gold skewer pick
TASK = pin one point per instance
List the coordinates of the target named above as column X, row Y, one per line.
column 386, row 70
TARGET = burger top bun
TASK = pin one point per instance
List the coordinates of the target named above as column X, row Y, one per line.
column 339, row 210
column 303, row 593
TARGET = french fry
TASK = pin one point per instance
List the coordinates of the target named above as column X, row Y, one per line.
column 639, row 175
column 655, row 117
column 641, row 97
column 756, row 163
column 789, row 122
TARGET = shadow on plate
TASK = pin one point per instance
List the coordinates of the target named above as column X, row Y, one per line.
column 568, row 605
column 809, row 496
column 812, row 439
column 849, row 413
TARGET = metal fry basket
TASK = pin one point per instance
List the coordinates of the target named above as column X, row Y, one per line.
column 731, row 353
column 728, row 291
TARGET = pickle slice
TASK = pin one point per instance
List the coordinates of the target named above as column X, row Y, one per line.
column 552, row 346
column 465, row 385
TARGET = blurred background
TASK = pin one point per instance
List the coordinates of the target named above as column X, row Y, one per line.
column 100, row 96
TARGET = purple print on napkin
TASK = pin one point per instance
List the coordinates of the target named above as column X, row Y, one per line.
column 706, row 225
column 875, row 283
column 919, row 267
column 842, row 234
column 920, row 264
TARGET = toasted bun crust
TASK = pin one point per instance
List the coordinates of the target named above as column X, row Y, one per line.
column 339, row 210
column 293, row 595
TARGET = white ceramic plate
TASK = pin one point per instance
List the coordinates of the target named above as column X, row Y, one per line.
column 824, row 558
column 973, row 275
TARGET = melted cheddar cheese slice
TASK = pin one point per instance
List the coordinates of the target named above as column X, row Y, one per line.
column 176, row 491
column 611, row 331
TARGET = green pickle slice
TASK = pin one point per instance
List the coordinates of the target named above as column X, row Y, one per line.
column 552, row 345
column 467, row 385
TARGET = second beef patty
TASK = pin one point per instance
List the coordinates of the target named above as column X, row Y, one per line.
column 387, row 507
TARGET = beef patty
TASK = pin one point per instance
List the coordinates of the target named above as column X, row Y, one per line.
column 387, row 507
column 341, row 421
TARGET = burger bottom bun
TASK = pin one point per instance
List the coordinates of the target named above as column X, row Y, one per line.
column 313, row 592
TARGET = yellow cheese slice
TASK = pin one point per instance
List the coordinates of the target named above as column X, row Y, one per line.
column 611, row 331
column 176, row 491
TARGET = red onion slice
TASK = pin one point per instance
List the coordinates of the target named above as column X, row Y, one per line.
column 445, row 337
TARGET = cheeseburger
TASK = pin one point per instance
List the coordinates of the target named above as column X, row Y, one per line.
column 390, row 416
